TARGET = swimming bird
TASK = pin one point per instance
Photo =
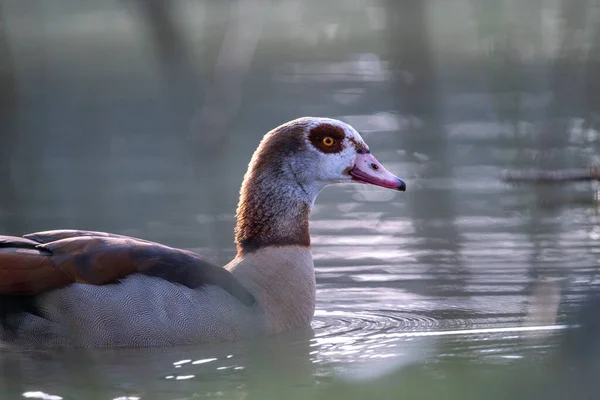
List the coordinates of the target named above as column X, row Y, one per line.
column 74, row 288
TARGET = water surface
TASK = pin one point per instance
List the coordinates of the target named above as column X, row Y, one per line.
column 427, row 292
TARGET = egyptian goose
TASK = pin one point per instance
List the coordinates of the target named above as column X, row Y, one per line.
column 71, row 288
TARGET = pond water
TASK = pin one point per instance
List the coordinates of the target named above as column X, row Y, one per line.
column 461, row 287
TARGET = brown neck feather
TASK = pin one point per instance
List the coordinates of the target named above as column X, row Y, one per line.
column 262, row 223
column 274, row 208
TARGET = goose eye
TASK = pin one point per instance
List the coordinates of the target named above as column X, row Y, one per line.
column 328, row 141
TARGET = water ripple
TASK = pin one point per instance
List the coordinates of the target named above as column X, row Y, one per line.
column 333, row 323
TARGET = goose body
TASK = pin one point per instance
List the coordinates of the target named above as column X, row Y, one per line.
column 73, row 288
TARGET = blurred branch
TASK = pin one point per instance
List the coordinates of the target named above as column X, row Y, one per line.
column 592, row 173
column 169, row 43
column 223, row 97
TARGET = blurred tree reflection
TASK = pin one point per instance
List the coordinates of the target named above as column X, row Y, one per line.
column 419, row 98
column 8, row 132
column 591, row 78
column 212, row 123
column 503, row 65
column 565, row 79
column 411, row 57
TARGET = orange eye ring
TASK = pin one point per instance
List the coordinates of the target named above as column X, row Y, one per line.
column 328, row 141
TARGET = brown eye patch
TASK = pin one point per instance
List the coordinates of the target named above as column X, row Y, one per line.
column 327, row 138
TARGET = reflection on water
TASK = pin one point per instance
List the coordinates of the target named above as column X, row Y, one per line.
column 140, row 119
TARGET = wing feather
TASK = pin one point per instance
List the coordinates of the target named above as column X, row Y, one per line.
column 43, row 261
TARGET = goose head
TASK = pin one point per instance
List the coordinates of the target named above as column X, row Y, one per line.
column 291, row 165
column 313, row 153
column 334, row 152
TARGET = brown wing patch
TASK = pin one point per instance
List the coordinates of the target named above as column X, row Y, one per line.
column 94, row 260
column 322, row 131
column 27, row 272
column 26, row 269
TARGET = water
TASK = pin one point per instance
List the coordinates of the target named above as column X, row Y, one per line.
column 444, row 291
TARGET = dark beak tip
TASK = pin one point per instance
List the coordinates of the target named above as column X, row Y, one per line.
column 402, row 186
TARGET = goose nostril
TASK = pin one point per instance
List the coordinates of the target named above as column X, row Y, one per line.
column 374, row 166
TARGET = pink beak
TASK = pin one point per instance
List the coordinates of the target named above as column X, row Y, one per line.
column 368, row 170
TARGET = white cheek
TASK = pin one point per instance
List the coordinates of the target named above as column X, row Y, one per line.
column 334, row 166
